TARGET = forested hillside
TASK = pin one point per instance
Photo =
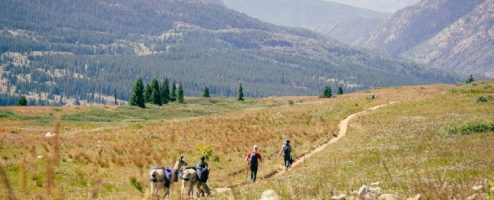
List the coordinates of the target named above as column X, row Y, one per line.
column 63, row 51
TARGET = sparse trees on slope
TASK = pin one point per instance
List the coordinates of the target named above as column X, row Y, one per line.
column 22, row 101
column 206, row 92
column 165, row 91
column 181, row 98
column 155, row 92
column 240, row 93
column 137, row 97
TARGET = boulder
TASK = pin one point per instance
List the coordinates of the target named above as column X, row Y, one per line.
column 417, row 197
column 340, row 197
column 478, row 188
column 375, row 183
column 49, row 135
column 387, row 197
column 269, row 195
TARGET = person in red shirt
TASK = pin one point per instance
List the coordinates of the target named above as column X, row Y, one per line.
column 254, row 158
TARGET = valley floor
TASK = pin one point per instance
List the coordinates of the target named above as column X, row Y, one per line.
column 424, row 144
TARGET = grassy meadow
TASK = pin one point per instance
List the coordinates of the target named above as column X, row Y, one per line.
column 432, row 140
column 439, row 145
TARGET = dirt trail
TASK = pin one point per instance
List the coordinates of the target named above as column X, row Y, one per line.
column 343, row 128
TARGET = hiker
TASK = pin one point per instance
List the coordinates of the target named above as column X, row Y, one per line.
column 202, row 170
column 178, row 168
column 254, row 158
column 286, row 151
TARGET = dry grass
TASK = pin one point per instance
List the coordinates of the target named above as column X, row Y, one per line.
column 402, row 147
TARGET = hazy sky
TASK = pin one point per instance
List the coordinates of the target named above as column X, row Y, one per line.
column 379, row 5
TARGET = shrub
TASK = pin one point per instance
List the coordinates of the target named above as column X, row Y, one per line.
column 204, row 150
column 484, row 99
column 469, row 128
column 136, row 184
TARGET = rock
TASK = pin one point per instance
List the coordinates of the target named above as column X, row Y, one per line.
column 375, row 183
column 375, row 191
column 364, row 190
column 417, row 197
column 39, row 156
column 492, row 189
column 472, row 197
column 340, row 197
column 49, row 135
column 387, row 197
column 270, row 195
column 478, row 187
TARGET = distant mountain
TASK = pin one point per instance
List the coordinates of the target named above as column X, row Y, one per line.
column 389, row 6
column 448, row 34
column 343, row 22
column 88, row 49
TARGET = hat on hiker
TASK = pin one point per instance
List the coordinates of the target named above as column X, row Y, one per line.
column 256, row 147
column 287, row 141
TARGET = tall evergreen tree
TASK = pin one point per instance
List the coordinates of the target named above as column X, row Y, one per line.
column 181, row 98
column 155, row 92
column 147, row 93
column 206, row 92
column 470, row 79
column 165, row 91
column 137, row 96
column 240, row 93
column 115, row 96
column 327, row 92
column 22, row 101
column 339, row 91
column 173, row 92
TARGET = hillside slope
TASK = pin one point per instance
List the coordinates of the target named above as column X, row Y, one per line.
column 343, row 22
column 453, row 35
column 88, row 49
column 465, row 46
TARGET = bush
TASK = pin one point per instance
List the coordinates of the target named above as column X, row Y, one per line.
column 469, row 128
column 204, row 150
column 136, row 184
column 485, row 99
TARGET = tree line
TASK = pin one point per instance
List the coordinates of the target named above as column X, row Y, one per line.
column 163, row 93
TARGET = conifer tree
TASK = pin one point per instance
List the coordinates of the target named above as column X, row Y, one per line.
column 115, row 96
column 470, row 79
column 173, row 92
column 240, row 93
column 155, row 92
column 22, row 101
column 165, row 91
column 339, row 91
column 147, row 93
column 327, row 93
column 206, row 92
column 181, row 98
column 137, row 97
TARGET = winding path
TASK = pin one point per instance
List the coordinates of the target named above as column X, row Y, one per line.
column 343, row 129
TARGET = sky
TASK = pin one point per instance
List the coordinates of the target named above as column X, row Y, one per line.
column 388, row 6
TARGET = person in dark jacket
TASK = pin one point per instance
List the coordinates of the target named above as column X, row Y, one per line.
column 254, row 158
column 286, row 151
column 202, row 170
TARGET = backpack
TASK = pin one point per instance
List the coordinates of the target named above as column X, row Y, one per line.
column 288, row 149
column 202, row 174
column 253, row 159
